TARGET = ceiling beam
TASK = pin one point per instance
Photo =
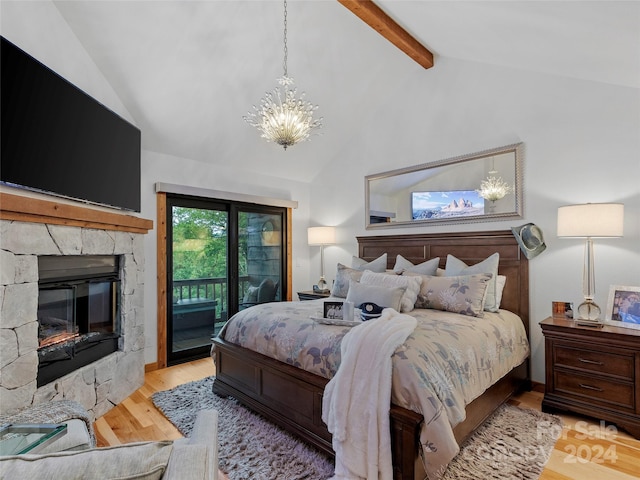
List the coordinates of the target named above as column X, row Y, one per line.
column 373, row 16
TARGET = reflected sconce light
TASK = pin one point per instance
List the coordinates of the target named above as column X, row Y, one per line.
column 589, row 221
column 321, row 236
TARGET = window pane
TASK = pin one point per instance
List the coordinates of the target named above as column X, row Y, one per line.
column 259, row 258
column 199, row 248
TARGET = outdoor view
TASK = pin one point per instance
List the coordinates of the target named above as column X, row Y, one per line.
column 199, row 275
column 201, row 302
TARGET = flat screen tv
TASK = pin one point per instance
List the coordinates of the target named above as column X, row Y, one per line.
column 57, row 139
column 446, row 204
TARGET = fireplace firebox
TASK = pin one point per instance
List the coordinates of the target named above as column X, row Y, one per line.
column 78, row 312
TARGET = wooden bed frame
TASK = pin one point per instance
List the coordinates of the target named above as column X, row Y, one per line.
column 292, row 398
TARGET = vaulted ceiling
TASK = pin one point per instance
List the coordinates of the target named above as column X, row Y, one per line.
column 187, row 71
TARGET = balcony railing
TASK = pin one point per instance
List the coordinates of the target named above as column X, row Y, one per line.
column 214, row 289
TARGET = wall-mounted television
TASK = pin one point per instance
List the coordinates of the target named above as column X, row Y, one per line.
column 446, row 204
column 58, row 140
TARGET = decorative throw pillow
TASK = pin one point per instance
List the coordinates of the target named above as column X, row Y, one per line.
column 383, row 296
column 462, row 294
column 425, row 268
column 410, row 283
column 456, row 266
column 378, row 265
column 343, row 276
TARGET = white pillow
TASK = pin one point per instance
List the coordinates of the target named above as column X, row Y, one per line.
column 501, row 281
column 409, row 283
column 425, row 268
column 381, row 296
column 378, row 265
column 456, row 266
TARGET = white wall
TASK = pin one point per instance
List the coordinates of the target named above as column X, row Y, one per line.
column 582, row 144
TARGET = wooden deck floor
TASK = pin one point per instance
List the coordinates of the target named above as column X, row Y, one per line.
column 585, row 450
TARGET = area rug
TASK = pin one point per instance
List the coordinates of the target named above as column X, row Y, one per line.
column 514, row 443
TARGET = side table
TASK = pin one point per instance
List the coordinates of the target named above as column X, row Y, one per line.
column 593, row 371
column 311, row 295
column 28, row 438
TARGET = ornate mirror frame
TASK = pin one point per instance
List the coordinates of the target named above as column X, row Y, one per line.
column 389, row 196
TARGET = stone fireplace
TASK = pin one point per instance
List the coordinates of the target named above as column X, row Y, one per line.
column 34, row 229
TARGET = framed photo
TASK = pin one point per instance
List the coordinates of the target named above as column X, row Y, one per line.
column 623, row 306
column 333, row 310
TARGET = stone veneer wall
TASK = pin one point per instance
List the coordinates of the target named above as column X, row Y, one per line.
column 100, row 385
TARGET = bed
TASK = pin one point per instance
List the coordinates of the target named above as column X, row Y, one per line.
column 292, row 397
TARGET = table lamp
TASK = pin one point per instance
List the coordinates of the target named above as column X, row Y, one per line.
column 321, row 236
column 588, row 221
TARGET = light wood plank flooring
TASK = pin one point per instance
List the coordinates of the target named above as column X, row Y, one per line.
column 585, row 450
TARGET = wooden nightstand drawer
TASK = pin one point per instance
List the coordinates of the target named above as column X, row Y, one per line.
column 595, row 390
column 594, row 361
column 593, row 371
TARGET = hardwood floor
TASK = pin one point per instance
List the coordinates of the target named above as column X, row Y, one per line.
column 585, row 450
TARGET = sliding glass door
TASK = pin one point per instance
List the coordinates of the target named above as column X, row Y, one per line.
column 222, row 257
column 198, row 253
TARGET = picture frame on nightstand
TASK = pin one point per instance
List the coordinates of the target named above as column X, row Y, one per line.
column 623, row 306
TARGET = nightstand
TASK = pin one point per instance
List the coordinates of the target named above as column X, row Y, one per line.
column 593, row 371
column 311, row 295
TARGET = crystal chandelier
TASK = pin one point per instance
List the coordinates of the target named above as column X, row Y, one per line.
column 281, row 117
column 493, row 187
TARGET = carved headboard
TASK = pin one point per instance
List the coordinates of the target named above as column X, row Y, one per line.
column 471, row 248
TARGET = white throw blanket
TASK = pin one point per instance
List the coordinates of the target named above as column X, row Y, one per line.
column 357, row 400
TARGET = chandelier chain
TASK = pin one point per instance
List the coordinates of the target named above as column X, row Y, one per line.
column 282, row 117
column 286, row 50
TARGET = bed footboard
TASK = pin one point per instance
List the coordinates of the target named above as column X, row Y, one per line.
column 292, row 398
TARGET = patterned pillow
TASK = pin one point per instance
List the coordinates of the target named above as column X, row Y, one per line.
column 462, row 294
column 425, row 268
column 456, row 266
column 378, row 265
column 385, row 297
column 341, row 283
column 410, row 283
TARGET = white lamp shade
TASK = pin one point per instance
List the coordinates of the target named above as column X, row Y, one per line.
column 321, row 235
column 591, row 220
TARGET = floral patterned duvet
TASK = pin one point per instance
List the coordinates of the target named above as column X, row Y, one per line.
column 447, row 362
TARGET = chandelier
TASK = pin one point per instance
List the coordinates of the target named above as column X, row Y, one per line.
column 281, row 117
column 493, row 187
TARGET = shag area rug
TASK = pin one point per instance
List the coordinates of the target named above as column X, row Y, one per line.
column 513, row 443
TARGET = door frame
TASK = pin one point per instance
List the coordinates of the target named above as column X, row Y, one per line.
column 161, row 276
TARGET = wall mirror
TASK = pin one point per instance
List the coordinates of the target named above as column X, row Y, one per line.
column 477, row 187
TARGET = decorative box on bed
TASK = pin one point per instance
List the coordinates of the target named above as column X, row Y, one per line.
column 292, row 397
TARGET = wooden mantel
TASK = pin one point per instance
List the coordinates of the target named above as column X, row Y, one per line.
column 34, row 210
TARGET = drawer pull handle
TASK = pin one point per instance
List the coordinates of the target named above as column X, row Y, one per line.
column 590, row 387
column 592, row 362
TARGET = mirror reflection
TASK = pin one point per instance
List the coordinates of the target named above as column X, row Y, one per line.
column 470, row 188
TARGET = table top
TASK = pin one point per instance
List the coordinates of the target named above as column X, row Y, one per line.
column 28, row 438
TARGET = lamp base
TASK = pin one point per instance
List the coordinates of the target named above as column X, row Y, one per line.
column 588, row 312
column 322, row 286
